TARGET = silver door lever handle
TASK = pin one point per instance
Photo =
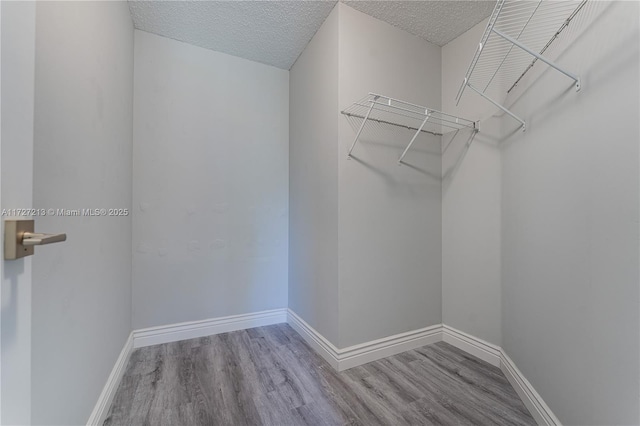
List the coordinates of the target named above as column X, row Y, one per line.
column 20, row 238
column 36, row 239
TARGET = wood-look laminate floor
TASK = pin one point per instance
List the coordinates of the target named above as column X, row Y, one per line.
column 269, row 376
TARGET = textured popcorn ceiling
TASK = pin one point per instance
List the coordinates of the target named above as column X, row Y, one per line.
column 436, row 21
column 271, row 32
column 276, row 32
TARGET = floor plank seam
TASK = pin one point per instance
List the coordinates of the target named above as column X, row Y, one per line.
column 271, row 375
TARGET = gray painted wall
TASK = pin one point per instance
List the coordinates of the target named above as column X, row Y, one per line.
column 16, row 151
column 390, row 216
column 570, row 209
column 364, row 233
column 313, row 182
column 210, row 184
column 471, row 197
column 82, row 159
column 560, row 204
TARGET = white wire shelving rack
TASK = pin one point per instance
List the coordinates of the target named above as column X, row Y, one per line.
column 516, row 37
column 389, row 111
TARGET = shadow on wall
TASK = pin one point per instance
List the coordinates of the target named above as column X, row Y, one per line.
column 605, row 62
column 394, row 137
column 585, row 19
column 456, row 145
column 604, row 71
column 12, row 271
column 421, row 158
column 608, row 63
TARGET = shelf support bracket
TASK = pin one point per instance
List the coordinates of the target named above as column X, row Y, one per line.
column 366, row 117
column 413, row 139
column 524, row 125
column 537, row 55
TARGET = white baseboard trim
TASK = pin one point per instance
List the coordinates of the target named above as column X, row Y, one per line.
column 101, row 409
column 317, row 341
column 472, row 345
column 174, row 333
column 540, row 411
column 363, row 353
column 495, row 355
column 193, row 329
column 340, row 359
column 352, row 356
column 343, row 359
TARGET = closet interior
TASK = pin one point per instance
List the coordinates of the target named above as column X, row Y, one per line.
column 329, row 212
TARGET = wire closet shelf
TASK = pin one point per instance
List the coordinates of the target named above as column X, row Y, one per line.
column 385, row 110
column 517, row 35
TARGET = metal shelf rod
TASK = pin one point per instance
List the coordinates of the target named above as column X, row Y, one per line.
column 404, row 114
column 420, row 107
column 361, row 127
column 511, row 47
column 524, row 125
column 542, row 58
column 483, row 40
column 349, row 114
column 529, row 25
column 421, row 114
column 418, row 116
column 413, row 139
